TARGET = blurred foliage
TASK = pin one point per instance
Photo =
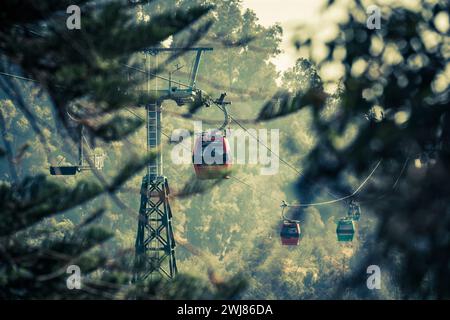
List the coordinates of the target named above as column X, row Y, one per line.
column 394, row 99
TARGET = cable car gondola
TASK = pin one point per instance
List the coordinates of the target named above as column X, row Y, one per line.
column 345, row 229
column 212, row 154
column 290, row 232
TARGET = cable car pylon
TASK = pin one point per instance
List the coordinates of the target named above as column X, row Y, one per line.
column 155, row 241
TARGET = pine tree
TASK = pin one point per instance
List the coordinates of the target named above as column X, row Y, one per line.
column 81, row 72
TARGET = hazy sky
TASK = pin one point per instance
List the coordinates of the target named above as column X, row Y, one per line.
column 289, row 13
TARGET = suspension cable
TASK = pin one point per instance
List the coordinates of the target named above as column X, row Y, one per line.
column 269, row 149
column 393, row 186
column 284, row 204
column 354, row 193
column 257, row 139
column 15, row 76
column 241, row 126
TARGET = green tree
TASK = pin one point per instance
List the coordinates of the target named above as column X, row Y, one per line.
column 80, row 72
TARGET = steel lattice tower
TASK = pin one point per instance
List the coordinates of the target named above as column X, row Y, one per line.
column 155, row 243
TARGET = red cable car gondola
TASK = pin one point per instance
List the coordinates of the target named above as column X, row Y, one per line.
column 212, row 156
column 290, row 233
